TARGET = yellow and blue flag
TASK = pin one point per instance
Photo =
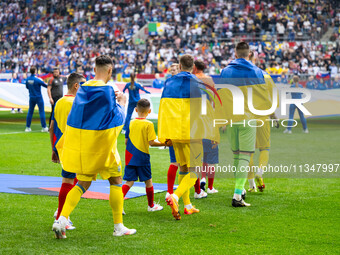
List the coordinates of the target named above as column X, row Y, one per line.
column 244, row 75
column 180, row 118
column 89, row 144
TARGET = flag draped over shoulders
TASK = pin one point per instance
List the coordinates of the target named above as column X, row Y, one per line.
column 89, row 144
column 179, row 116
column 244, row 75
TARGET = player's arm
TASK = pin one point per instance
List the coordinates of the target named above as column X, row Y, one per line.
column 142, row 88
column 49, row 93
column 155, row 143
column 125, row 88
column 55, row 158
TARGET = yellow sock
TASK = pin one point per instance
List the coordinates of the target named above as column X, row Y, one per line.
column 116, row 202
column 186, row 194
column 72, row 200
column 186, row 182
column 251, row 164
column 264, row 158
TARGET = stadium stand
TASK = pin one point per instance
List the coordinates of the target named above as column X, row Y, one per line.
column 289, row 36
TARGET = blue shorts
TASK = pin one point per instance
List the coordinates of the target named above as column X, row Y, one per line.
column 210, row 155
column 132, row 173
column 66, row 174
column 172, row 155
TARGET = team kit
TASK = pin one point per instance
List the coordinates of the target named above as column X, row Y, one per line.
column 87, row 121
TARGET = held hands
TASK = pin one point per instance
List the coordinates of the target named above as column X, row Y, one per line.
column 168, row 142
column 55, row 158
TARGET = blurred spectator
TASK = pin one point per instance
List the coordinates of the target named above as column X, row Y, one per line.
column 70, row 34
column 157, row 83
column 321, row 85
column 311, row 83
column 336, row 82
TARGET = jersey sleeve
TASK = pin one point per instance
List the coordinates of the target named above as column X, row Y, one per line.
column 151, row 132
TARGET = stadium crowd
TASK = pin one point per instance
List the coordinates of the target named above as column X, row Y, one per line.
column 70, row 34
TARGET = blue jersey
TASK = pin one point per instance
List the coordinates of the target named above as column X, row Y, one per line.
column 33, row 84
column 134, row 93
column 336, row 85
column 158, row 84
column 296, row 95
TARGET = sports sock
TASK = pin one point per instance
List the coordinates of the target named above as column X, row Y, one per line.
column 251, row 183
column 236, row 160
column 186, row 182
column 204, row 170
column 64, row 190
column 150, row 194
column 75, row 181
column 241, row 173
column 263, row 160
column 211, row 177
column 72, row 199
column 186, row 194
column 251, row 170
column 125, row 189
column 197, row 186
column 188, row 206
column 116, row 201
column 171, row 178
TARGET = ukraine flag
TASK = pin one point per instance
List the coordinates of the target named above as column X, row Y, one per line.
column 89, row 144
column 244, row 75
column 180, row 118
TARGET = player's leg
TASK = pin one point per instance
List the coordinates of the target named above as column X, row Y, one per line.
column 130, row 176
column 32, row 103
column 172, row 171
column 291, row 118
column 116, row 198
column 126, row 187
column 72, row 199
column 243, row 138
column 67, row 184
column 186, row 180
column 251, row 175
column 263, row 143
column 40, row 103
column 203, row 174
column 152, row 206
column 199, row 193
column 212, row 159
column 303, row 121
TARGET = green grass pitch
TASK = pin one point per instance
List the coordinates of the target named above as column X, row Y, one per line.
column 292, row 216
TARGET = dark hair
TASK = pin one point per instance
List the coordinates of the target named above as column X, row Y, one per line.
column 143, row 105
column 200, row 65
column 103, row 60
column 242, row 50
column 33, row 70
column 132, row 80
column 74, row 78
column 56, row 69
column 186, row 61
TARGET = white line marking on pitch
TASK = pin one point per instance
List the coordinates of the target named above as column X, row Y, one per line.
column 18, row 132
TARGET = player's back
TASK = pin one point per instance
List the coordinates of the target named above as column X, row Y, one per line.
column 62, row 110
column 140, row 132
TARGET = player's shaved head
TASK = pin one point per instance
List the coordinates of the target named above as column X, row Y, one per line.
column 186, row 62
column 199, row 65
column 242, row 50
column 74, row 78
column 103, row 68
column 103, row 61
column 143, row 105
